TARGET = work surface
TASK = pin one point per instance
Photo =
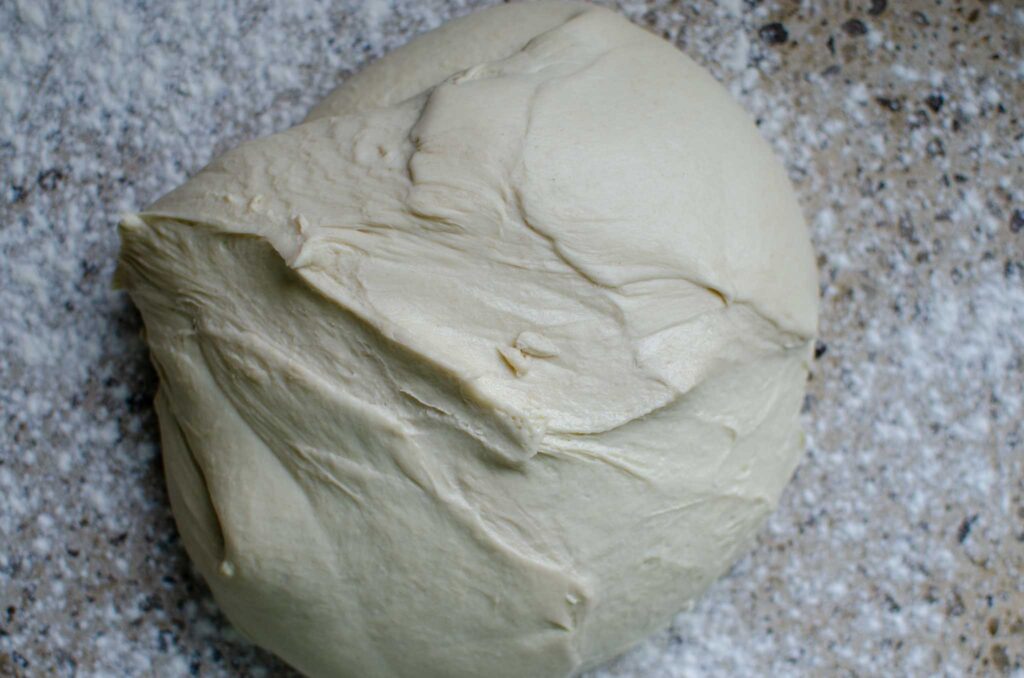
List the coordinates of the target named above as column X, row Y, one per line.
column 899, row 546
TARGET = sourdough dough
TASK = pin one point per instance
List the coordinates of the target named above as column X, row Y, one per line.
column 491, row 365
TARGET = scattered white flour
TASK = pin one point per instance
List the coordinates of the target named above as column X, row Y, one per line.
column 898, row 547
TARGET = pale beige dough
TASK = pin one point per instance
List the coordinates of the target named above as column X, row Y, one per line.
column 489, row 367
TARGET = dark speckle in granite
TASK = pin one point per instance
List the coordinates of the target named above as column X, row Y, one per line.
column 774, row 33
column 855, row 27
column 894, row 105
column 1017, row 221
column 964, row 530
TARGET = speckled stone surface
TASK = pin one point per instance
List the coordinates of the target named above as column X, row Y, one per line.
column 898, row 548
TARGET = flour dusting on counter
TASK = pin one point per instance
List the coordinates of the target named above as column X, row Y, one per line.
column 899, row 548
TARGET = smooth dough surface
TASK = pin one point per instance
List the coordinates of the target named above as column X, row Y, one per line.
column 490, row 366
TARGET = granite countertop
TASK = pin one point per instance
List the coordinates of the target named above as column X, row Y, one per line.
column 898, row 548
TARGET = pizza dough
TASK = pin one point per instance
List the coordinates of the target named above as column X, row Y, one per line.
column 490, row 366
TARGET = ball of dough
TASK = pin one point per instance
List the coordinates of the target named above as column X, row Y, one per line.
column 491, row 365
